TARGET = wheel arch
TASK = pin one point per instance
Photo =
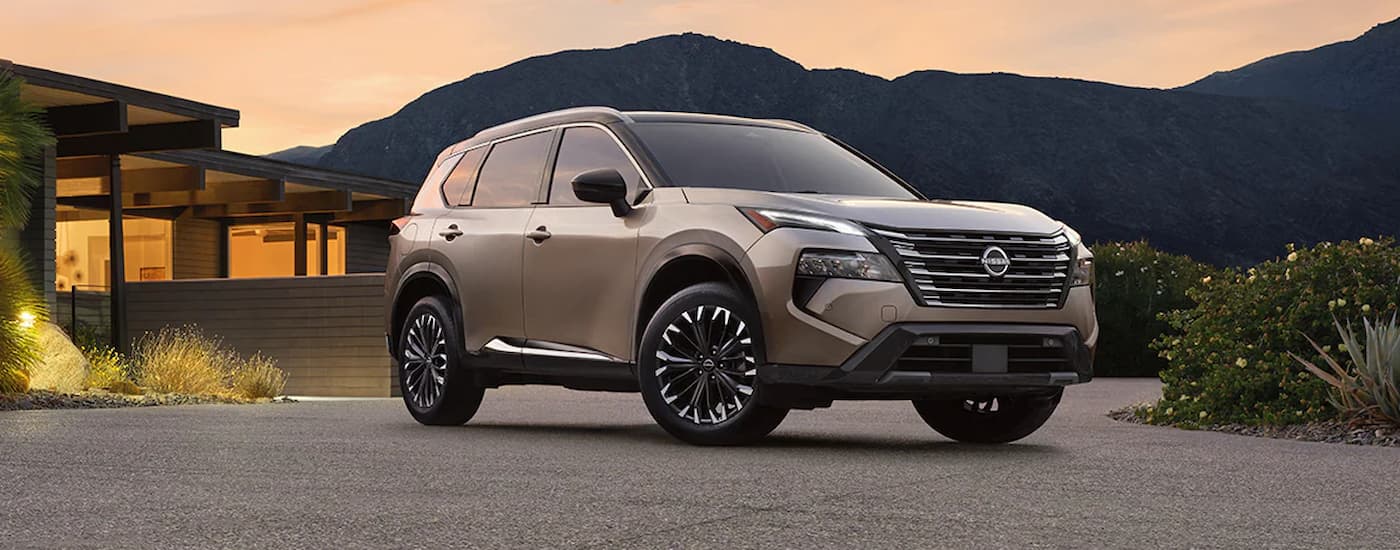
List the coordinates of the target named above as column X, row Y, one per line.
column 417, row 282
column 685, row 266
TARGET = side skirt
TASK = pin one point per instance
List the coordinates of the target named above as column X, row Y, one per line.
column 504, row 362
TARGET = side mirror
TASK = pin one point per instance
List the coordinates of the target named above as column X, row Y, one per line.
column 603, row 185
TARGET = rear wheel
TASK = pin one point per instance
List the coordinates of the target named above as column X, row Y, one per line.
column 698, row 368
column 988, row 419
column 437, row 389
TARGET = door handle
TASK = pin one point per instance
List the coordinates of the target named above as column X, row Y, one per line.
column 539, row 234
column 451, row 232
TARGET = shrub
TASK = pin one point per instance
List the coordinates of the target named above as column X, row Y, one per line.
column 1370, row 390
column 107, row 369
column 1228, row 357
column 1134, row 285
column 258, row 377
column 183, row 360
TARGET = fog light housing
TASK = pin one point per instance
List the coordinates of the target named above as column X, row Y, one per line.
column 833, row 264
column 1083, row 274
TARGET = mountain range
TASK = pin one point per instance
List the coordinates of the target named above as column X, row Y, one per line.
column 1227, row 169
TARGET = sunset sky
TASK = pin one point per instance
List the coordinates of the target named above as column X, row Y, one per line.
column 304, row 71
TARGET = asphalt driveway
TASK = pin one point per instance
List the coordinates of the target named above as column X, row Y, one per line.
column 546, row 467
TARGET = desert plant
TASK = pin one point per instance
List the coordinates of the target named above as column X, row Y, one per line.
column 183, row 360
column 22, row 139
column 1229, row 356
column 20, row 312
column 1134, row 285
column 107, row 369
column 257, row 377
column 1370, row 389
column 13, row 381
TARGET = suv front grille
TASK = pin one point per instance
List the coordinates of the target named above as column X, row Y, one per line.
column 947, row 269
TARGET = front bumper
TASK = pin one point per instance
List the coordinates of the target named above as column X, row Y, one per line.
column 914, row 360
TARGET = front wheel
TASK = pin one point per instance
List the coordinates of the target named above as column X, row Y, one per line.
column 988, row 419
column 698, row 368
column 436, row 387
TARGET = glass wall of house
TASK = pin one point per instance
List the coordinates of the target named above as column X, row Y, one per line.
column 267, row 250
column 83, row 255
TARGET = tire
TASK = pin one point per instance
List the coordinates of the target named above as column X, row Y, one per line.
column 448, row 396
column 988, row 421
column 705, row 397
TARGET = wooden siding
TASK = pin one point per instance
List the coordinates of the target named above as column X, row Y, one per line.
column 37, row 238
column 367, row 250
column 327, row 333
column 197, row 248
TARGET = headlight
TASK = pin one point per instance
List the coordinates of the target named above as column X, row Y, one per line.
column 768, row 220
column 846, row 265
column 1083, row 272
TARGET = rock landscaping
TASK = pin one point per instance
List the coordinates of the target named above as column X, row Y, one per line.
column 43, row 399
column 1327, row 431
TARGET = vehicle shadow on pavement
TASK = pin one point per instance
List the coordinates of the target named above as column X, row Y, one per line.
column 652, row 434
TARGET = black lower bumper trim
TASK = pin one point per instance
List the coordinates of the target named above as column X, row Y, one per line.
column 885, row 369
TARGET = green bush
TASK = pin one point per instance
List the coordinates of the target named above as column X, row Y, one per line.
column 1228, row 357
column 1134, row 285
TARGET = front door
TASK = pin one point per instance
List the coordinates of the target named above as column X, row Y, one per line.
column 580, row 261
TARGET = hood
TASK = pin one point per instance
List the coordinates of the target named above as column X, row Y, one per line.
column 992, row 217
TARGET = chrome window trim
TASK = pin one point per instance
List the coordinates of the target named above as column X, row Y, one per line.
column 630, row 157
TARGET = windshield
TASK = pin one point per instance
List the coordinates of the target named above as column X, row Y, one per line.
column 694, row 154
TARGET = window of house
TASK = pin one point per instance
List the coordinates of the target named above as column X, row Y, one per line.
column 83, row 253
column 582, row 149
column 512, row 172
column 268, row 250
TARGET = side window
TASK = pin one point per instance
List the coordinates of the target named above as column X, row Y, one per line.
column 458, row 187
column 428, row 194
column 586, row 148
column 512, row 172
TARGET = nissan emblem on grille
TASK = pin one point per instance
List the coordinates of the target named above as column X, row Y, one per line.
column 995, row 261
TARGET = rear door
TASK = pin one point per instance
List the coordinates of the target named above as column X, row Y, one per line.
column 483, row 233
column 579, row 274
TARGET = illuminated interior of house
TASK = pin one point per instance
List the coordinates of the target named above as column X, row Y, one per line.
column 266, row 250
column 83, row 254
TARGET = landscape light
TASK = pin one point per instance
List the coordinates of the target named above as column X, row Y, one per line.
column 26, row 319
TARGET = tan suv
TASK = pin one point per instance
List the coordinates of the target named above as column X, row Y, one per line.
column 729, row 269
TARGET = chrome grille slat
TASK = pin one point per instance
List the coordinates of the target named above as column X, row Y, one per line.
column 946, row 267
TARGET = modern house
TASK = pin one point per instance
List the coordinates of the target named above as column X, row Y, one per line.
column 145, row 221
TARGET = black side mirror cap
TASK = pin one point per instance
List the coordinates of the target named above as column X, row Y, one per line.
column 603, row 185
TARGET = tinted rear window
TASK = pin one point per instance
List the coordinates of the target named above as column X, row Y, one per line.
column 513, row 171
column 762, row 159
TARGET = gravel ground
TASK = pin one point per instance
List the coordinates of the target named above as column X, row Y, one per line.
column 43, row 399
column 1322, row 432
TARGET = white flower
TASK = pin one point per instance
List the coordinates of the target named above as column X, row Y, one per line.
column 1119, row 273
column 1292, row 256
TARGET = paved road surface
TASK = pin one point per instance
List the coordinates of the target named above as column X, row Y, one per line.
column 545, row 467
